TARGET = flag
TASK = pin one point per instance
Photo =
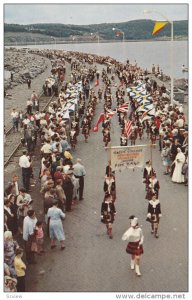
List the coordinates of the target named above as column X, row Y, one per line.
column 128, row 127
column 139, row 88
column 138, row 94
column 96, row 82
column 131, row 89
column 66, row 115
column 123, row 106
column 145, row 107
column 118, row 33
column 101, row 118
column 110, row 113
column 72, row 108
column 123, row 110
column 158, row 26
column 143, row 97
column 74, row 101
column 148, row 114
column 147, row 97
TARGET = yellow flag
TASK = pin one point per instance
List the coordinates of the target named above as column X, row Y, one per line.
column 158, row 26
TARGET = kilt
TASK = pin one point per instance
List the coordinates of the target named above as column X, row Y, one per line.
column 108, row 218
column 154, row 218
column 106, row 139
column 132, row 248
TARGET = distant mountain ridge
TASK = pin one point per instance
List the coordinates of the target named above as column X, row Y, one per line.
column 133, row 30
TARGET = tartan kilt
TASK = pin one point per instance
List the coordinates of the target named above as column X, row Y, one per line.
column 105, row 138
column 154, row 218
column 108, row 218
column 132, row 248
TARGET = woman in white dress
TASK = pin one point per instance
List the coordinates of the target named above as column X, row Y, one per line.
column 179, row 161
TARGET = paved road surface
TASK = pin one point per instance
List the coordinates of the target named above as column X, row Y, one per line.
column 91, row 261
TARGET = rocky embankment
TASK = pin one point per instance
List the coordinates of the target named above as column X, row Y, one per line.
column 23, row 66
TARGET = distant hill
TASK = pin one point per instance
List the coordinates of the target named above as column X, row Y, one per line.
column 133, row 30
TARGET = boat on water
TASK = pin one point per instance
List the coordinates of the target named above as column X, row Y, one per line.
column 184, row 69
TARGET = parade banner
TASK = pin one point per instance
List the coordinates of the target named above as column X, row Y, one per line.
column 127, row 157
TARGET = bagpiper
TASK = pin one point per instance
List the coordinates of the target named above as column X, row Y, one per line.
column 123, row 140
column 108, row 212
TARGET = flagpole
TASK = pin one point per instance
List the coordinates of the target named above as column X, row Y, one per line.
column 171, row 51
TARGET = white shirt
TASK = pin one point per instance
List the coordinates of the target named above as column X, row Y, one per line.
column 29, row 102
column 46, row 148
column 26, row 121
column 133, row 235
column 24, row 162
column 14, row 114
column 43, row 122
column 66, row 168
column 28, row 227
column 42, row 115
column 180, row 123
column 37, row 116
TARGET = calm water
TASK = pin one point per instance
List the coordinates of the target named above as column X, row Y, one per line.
column 144, row 53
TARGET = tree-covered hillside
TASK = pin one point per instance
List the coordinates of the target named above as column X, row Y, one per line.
column 133, row 30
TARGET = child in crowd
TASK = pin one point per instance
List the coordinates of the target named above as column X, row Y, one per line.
column 39, row 237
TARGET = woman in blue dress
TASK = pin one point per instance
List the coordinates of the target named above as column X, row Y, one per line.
column 56, row 231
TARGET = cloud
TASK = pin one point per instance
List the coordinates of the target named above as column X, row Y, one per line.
column 84, row 14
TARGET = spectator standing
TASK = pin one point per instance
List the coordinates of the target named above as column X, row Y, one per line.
column 29, row 106
column 20, row 268
column 29, row 83
column 15, row 119
column 79, row 172
column 28, row 235
column 25, row 164
column 56, row 232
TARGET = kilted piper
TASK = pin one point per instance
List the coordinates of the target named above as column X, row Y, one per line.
column 134, row 236
column 108, row 212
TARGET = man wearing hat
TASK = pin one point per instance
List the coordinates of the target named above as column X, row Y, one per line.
column 79, row 172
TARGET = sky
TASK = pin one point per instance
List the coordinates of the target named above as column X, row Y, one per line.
column 84, row 14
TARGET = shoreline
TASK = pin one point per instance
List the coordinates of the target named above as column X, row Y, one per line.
column 57, row 42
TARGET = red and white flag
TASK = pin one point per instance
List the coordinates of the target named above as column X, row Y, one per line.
column 110, row 113
column 101, row 118
column 123, row 108
column 128, row 127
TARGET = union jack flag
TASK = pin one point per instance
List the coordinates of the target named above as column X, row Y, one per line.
column 123, row 108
